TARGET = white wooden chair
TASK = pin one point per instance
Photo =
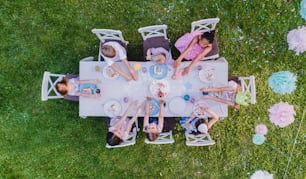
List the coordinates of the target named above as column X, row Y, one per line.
column 206, row 25
column 153, row 31
column 48, row 90
column 248, row 84
column 130, row 141
column 154, row 36
column 199, row 140
column 106, row 35
column 163, row 138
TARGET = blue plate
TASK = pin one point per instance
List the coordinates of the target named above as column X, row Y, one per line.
column 163, row 71
column 155, row 106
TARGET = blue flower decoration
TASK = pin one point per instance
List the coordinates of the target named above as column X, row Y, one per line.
column 258, row 139
column 303, row 9
column 282, row 82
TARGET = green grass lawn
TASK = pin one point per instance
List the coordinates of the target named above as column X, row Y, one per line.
column 49, row 139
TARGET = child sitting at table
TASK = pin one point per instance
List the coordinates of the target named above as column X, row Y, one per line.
column 159, row 55
column 153, row 126
column 119, row 127
column 112, row 52
column 231, row 94
column 193, row 46
column 76, row 87
column 200, row 121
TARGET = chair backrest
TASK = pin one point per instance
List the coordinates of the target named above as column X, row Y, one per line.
column 108, row 34
column 48, row 90
column 204, row 25
column 199, row 140
column 163, row 138
column 153, row 37
column 153, row 31
column 131, row 140
column 248, row 84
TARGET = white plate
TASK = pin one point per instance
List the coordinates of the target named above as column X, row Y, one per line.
column 112, row 108
column 109, row 73
column 207, row 74
column 198, row 109
column 177, row 105
column 160, row 86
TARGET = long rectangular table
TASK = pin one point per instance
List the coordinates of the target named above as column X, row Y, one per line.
column 119, row 88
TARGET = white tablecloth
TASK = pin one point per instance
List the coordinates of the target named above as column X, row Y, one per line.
column 138, row 90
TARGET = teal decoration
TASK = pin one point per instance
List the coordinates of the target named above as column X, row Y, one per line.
column 303, row 9
column 258, row 139
column 186, row 97
column 282, row 82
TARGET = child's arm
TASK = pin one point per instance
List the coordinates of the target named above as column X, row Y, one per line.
column 129, row 109
column 118, row 70
column 214, row 119
column 87, row 81
column 187, row 123
column 131, row 122
column 148, row 57
column 126, row 113
column 177, row 62
column 219, row 100
column 131, row 70
column 147, row 113
column 196, row 60
column 218, row 89
column 186, row 51
column 161, row 114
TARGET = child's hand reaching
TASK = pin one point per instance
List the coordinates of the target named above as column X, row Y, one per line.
column 186, row 71
column 140, row 108
column 149, row 56
column 96, row 95
column 133, row 104
column 161, row 102
column 203, row 107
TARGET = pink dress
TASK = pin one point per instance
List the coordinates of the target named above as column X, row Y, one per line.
column 182, row 43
